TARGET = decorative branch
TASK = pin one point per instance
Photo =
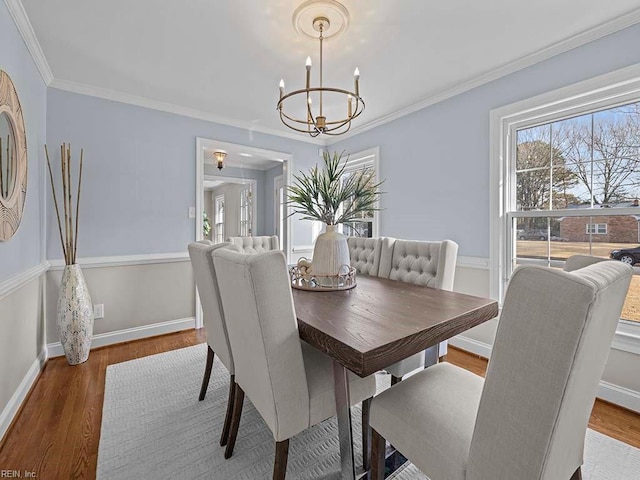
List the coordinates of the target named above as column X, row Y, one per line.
column 75, row 247
column 319, row 194
column 55, row 203
column 68, row 240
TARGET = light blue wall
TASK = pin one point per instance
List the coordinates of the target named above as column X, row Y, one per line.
column 22, row 251
column 436, row 160
column 140, row 173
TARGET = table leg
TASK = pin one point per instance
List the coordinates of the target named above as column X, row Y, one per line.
column 343, row 412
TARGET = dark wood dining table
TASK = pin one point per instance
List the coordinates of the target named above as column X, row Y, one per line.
column 376, row 324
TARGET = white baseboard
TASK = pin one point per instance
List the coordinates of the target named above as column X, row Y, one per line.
column 8, row 414
column 471, row 345
column 615, row 394
column 619, row 395
column 126, row 335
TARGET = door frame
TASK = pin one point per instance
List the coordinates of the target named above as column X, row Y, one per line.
column 203, row 144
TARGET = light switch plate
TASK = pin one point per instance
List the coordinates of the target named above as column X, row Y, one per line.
column 192, row 212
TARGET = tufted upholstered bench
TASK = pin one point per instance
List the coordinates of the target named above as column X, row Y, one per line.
column 255, row 244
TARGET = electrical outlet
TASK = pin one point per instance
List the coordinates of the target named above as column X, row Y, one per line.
column 98, row 311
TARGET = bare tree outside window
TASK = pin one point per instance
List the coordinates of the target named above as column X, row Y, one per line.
column 582, row 171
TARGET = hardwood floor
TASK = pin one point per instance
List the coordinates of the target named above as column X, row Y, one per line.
column 57, row 431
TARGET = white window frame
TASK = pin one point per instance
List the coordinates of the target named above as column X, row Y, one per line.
column 363, row 159
column 246, row 211
column 369, row 157
column 606, row 91
column 595, row 229
column 217, row 226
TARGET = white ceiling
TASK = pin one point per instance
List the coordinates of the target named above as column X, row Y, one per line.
column 225, row 58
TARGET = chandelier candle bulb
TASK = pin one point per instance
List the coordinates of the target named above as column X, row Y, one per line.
column 281, row 87
column 356, row 76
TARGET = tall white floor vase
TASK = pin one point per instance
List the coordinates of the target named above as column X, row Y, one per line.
column 330, row 252
column 75, row 315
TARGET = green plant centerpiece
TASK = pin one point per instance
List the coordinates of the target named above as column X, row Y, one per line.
column 333, row 196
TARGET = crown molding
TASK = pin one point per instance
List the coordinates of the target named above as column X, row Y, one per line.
column 117, row 96
column 20, row 18
column 582, row 38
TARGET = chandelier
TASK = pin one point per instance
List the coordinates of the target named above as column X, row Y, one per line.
column 314, row 121
column 220, row 159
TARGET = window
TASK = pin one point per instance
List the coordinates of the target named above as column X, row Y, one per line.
column 597, row 228
column 367, row 225
column 246, row 198
column 219, row 219
column 566, row 174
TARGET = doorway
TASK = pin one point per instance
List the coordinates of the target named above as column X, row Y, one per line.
column 241, row 198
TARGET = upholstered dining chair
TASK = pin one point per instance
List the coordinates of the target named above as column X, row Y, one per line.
column 255, row 244
column 213, row 319
column 528, row 418
column 431, row 264
column 577, row 262
column 364, row 254
column 289, row 382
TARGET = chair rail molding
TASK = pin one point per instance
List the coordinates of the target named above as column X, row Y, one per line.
column 124, row 260
column 17, row 281
column 480, row 263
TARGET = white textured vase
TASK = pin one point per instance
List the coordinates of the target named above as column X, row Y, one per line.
column 75, row 315
column 330, row 252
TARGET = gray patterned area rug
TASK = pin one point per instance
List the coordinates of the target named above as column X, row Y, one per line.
column 154, row 427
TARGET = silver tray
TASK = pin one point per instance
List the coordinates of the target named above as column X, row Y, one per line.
column 301, row 280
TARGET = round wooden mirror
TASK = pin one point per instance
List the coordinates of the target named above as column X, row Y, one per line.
column 13, row 159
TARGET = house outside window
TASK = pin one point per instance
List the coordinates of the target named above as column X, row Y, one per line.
column 566, row 180
column 596, row 228
column 219, row 219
